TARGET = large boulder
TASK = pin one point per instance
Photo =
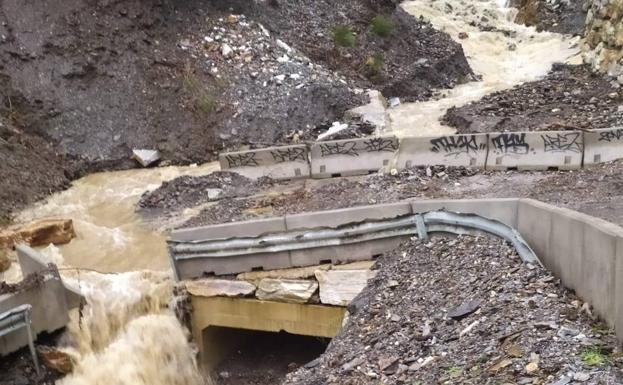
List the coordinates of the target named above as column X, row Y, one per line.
column 39, row 233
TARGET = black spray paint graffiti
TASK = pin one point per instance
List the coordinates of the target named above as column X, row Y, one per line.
column 345, row 148
column 242, row 160
column 380, row 145
column 567, row 142
column 296, row 154
column 609, row 136
column 457, row 145
column 510, row 143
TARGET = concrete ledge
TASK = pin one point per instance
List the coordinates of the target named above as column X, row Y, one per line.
column 250, row 228
column 603, row 145
column 199, row 267
column 286, row 162
column 453, row 150
column 535, row 150
column 352, row 156
column 252, row 314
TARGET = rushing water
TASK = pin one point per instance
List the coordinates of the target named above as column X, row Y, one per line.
column 503, row 59
column 127, row 334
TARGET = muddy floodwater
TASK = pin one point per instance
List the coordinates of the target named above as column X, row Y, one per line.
column 128, row 332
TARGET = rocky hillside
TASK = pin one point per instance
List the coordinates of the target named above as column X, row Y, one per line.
column 561, row 16
column 604, row 37
column 93, row 79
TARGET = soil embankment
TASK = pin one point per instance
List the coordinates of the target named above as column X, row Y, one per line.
column 95, row 79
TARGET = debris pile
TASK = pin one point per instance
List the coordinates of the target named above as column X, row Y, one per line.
column 465, row 310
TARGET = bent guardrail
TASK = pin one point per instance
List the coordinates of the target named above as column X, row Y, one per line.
column 18, row 318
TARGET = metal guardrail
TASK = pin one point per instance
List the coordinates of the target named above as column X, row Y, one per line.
column 16, row 319
column 416, row 224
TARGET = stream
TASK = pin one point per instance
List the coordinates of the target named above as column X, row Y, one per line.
column 119, row 262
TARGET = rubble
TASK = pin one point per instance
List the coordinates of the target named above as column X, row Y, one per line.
column 146, row 157
column 401, row 333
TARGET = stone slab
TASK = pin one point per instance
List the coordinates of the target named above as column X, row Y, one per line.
column 38, row 233
column 219, row 287
column 292, row 273
column 286, row 290
column 286, row 162
column 352, row 156
column 535, row 150
column 340, row 287
column 603, row 145
column 468, row 150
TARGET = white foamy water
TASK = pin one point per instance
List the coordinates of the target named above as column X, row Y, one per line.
column 510, row 55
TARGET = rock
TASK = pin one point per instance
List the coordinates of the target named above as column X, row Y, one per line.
column 286, row 290
column 226, row 50
column 219, row 288
column 564, row 380
column 146, row 157
column 335, row 128
column 373, row 112
column 283, row 46
column 581, row 376
column 294, row 273
column 393, row 102
column 5, row 262
column 339, row 287
column 359, row 265
column 232, row 19
column 214, row 193
column 464, row 309
column 565, row 332
column 39, row 233
column 56, row 360
column 532, row 367
column 463, row 35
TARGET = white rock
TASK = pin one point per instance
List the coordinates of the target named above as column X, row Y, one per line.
column 335, row 128
column 283, row 59
column 145, row 157
column 214, row 193
column 283, row 46
column 394, row 102
column 219, row 288
column 286, row 290
column 226, row 50
column 339, row 287
column 373, row 112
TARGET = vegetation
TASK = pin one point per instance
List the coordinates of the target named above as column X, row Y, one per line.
column 593, row 357
column 202, row 100
column 382, row 25
column 343, row 36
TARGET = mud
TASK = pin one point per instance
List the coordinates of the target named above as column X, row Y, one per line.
column 464, row 311
column 596, row 191
column 568, row 98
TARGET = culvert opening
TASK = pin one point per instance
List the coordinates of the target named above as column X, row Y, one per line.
column 251, row 357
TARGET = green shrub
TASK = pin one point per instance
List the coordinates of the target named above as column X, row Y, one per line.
column 344, row 36
column 382, row 25
column 593, row 357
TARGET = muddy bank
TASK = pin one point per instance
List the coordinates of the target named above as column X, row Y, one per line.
column 595, row 191
column 466, row 311
column 568, row 98
column 560, row 16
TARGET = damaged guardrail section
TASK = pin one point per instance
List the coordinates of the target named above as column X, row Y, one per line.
column 534, row 150
column 586, row 253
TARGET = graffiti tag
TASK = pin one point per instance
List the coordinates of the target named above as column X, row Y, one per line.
column 345, row 148
column 562, row 142
column 380, row 145
column 609, row 136
column 511, row 143
column 296, row 154
column 242, row 160
column 456, row 145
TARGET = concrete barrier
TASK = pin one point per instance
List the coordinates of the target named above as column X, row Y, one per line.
column 562, row 150
column 452, row 150
column 287, row 162
column 603, row 145
column 352, row 156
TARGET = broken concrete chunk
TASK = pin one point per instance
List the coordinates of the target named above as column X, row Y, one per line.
column 145, row 157
column 373, row 112
column 39, row 233
column 219, row 288
column 286, row 290
column 339, row 287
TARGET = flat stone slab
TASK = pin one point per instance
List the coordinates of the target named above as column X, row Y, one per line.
column 39, row 233
column 219, row 288
column 293, row 273
column 286, row 290
column 340, row 287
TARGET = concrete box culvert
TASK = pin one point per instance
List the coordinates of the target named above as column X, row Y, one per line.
column 585, row 252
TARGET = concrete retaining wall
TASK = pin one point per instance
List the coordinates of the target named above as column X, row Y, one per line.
column 585, row 252
column 452, row 150
column 352, row 156
column 535, row 150
column 287, row 162
column 564, row 150
column 603, row 145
